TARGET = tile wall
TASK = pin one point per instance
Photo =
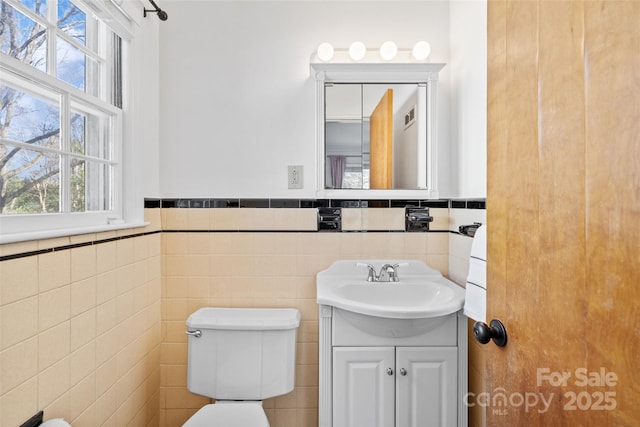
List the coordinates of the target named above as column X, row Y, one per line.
column 272, row 265
column 80, row 329
column 93, row 326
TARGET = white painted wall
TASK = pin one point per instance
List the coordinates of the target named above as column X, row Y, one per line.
column 146, row 102
column 405, row 147
column 468, row 65
column 237, row 102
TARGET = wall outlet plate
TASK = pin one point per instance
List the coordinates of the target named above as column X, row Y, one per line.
column 294, row 175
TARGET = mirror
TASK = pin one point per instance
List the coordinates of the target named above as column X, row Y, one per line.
column 375, row 136
column 376, row 124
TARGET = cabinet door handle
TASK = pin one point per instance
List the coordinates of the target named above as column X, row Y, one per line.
column 403, row 372
column 389, row 371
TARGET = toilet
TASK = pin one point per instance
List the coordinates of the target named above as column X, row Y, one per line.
column 240, row 356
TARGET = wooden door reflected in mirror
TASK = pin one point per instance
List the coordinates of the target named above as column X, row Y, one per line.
column 374, row 134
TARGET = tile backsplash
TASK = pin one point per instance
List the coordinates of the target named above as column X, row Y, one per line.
column 93, row 325
column 80, row 330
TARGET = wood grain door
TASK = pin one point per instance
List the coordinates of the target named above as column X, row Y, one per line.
column 381, row 140
column 563, row 213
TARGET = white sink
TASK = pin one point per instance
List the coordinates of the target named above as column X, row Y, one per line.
column 421, row 292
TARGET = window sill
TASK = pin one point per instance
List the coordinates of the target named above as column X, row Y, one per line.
column 65, row 232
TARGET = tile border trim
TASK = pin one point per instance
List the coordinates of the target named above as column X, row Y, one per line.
column 74, row 246
column 130, row 236
column 153, row 203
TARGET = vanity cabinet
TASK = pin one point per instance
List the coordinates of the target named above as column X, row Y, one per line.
column 378, row 372
column 401, row 386
column 363, row 391
column 426, row 392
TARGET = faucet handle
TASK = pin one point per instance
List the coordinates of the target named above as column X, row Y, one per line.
column 400, row 264
column 391, row 271
column 371, row 277
column 388, row 273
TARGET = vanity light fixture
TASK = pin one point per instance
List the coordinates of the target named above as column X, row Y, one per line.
column 325, row 51
column 357, row 51
column 421, row 50
column 388, row 50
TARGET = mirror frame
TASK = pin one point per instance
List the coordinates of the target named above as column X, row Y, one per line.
column 378, row 72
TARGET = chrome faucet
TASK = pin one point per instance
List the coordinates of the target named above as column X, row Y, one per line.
column 388, row 272
column 372, row 276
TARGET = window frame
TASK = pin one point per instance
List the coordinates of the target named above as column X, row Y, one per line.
column 125, row 212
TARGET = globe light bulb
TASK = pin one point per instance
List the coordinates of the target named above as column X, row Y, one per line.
column 388, row 50
column 325, row 51
column 421, row 50
column 357, row 51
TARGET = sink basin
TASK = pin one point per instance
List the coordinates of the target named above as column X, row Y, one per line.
column 421, row 292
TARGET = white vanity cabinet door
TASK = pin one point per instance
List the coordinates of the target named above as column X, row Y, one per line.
column 363, row 386
column 426, row 386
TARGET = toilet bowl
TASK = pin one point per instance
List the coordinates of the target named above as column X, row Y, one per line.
column 240, row 356
column 244, row 414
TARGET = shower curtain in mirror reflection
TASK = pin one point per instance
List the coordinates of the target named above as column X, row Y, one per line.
column 338, row 166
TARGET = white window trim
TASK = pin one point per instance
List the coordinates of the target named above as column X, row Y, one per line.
column 128, row 211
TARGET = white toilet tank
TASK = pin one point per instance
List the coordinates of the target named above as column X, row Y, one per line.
column 242, row 353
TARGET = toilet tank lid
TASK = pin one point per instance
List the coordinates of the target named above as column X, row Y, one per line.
column 244, row 318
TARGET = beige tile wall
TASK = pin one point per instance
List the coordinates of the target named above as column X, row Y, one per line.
column 95, row 334
column 80, row 330
column 266, row 269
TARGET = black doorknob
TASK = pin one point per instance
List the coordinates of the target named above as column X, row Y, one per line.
column 494, row 331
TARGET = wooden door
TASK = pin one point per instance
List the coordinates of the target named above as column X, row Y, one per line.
column 563, row 213
column 363, row 386
column 381, row 143
column 426, row 386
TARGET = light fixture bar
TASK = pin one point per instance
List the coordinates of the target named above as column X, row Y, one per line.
column 358, row 52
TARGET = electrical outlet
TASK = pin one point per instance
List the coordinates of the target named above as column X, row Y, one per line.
column 295, row 176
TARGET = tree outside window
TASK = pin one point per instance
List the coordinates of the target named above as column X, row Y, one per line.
column 56, row 135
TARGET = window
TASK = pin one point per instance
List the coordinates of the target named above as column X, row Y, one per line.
column 61, row 116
